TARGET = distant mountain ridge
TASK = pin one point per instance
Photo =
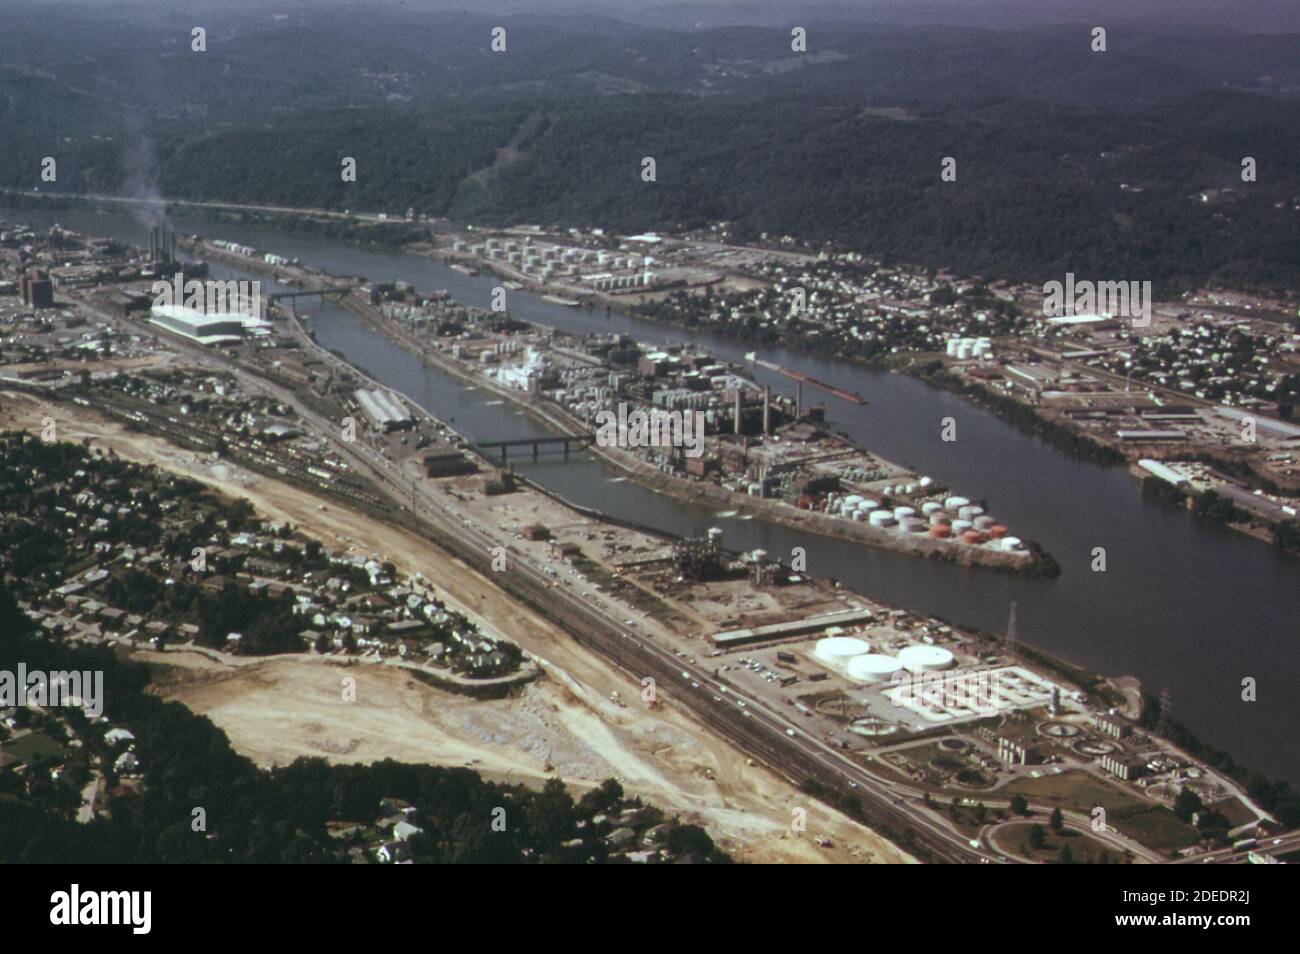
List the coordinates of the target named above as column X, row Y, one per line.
column 1067, row 158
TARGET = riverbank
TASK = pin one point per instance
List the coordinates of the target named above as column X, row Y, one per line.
column 1082, row 446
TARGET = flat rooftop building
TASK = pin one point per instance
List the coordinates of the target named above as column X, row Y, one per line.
column 386, row 412
column 208, row 328
column 798, row 627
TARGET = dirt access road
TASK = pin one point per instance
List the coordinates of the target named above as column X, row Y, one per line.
column 562, row 725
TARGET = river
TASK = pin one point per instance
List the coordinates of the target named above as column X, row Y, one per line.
column 1182, row 604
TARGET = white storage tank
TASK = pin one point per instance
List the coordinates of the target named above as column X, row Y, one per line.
column 901, row 512
column 1012, row 543
column 960, row 526
column 913, row 524
column 954, row 502
column 838, row 650
column 984, row 522
column 882, row 518
column 872, row 667
column 930, row 506
column 970, row 511
column 921, row 658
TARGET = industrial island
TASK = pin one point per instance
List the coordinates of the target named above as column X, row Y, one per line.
column 753, row 452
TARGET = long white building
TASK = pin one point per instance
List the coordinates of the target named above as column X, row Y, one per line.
column 208, row 328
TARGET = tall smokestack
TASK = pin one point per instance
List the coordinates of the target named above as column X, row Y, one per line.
column 767, row 409
column 798, row 400
column 737, row 410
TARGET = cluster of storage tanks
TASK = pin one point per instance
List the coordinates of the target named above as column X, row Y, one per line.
column 955, row 518
column 853, row 657
column 964, row 349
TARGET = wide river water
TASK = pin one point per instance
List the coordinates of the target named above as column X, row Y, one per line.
column 1182, row 604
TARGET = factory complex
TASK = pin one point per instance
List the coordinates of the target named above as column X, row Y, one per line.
column 772, row 453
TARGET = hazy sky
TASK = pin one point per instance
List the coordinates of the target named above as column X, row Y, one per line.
column 1246, row 15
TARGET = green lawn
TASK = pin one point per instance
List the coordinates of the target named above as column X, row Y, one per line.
column 34, row 747
column 1083, row 848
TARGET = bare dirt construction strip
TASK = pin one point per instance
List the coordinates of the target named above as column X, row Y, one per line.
column 564, row 725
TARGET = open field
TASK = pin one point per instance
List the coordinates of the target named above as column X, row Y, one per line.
column 1151, row 824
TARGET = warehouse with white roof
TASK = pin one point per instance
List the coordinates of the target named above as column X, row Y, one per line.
column 208, row 328
column 385, row 411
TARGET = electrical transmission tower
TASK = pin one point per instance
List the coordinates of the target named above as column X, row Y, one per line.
column 1165, row 724
column 1010, row 641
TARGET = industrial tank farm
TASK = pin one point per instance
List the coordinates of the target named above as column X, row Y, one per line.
column 920, row 508
column 851, row 656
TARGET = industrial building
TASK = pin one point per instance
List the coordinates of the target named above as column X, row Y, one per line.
column 1124, row 767
column 210, row 328
column 386, row 413
column 798, row 627
column 1016, row 752
column 447, row 462
column 37, row 290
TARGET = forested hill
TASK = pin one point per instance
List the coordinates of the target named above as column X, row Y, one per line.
column 1123, row 162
